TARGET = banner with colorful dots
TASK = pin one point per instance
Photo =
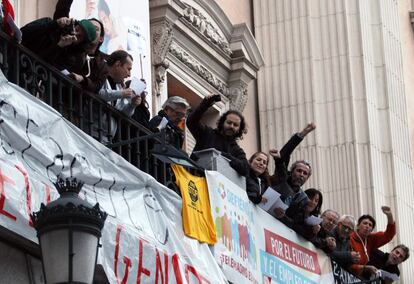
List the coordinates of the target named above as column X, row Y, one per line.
column 254, row 247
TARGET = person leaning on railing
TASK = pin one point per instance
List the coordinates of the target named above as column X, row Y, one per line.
column 231, row 127
column 173, row 112
column 324, row 239
column 62, row 42
column 388, row 262
column 92, row 74
column 343, row 254
column 258, row 178
column 113, row 92
column 365, row 242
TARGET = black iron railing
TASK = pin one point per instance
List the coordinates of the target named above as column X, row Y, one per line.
column 84, row 109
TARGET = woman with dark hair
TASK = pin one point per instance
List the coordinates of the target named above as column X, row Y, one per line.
column 295, row 216
column 315, row 202
column 258, row 179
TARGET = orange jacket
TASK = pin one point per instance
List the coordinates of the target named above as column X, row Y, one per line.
column 373, row 241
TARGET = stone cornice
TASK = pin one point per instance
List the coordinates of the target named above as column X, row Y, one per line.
column 198, row 68
column 206, row 28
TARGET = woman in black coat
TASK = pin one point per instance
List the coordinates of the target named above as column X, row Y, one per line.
column 258, row 179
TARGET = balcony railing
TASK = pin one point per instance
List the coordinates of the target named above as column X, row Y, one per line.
column 84, row 109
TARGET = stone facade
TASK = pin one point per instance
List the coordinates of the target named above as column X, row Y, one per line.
column 340, row 64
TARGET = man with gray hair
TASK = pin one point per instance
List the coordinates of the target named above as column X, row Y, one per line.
column 343, row 254
column 170, row 117
column 324, row 239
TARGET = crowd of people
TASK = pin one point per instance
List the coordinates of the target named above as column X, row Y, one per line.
column 73, row 47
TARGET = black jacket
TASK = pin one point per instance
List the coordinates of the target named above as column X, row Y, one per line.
column 342, row 252
column 379, row 259
column 42, row 36
column 320, row 240
column 174, row 135
column 206, row 138
column 95, row 71
column 255, row 189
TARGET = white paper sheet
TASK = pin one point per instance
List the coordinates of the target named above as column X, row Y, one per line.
column 313, row 220
column 273, row 200
column 137, row 85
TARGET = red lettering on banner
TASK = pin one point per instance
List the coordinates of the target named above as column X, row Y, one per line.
column 141, row 268
column 158, row 267
column 200, row 278
column 47, row 189
column 28, row 193
column 3, row 179
column 176, row 267
column 161, row 269
column 126, row 260
column 292, row 252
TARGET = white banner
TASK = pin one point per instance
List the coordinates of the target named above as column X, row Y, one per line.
column 143, row 240
column 254, row 247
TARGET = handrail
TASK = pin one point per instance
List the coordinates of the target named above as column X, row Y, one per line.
column 84, row 109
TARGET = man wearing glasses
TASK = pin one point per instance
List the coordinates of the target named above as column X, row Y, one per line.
column 170, row 117
column 324, row 239
column 343, row 254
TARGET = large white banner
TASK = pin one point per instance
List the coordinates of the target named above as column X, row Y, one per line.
column 254, row 247
column 143, row 240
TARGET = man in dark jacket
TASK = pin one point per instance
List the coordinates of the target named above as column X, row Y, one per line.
column 60, row 42
column 230, row 127
column 343, row 254
column 172, row 114
column 92, row 75
column 389, row 262
column 324, row 239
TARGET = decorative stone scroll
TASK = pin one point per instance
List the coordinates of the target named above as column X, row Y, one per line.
column 162, row 35
column 196, row 19
column 198, row 68
column 238, row 96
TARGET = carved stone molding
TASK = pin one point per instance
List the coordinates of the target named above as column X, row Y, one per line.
column 196, row 19
column 160, row 72
column 162, row 35
column 238, row 96
column 198, row 68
